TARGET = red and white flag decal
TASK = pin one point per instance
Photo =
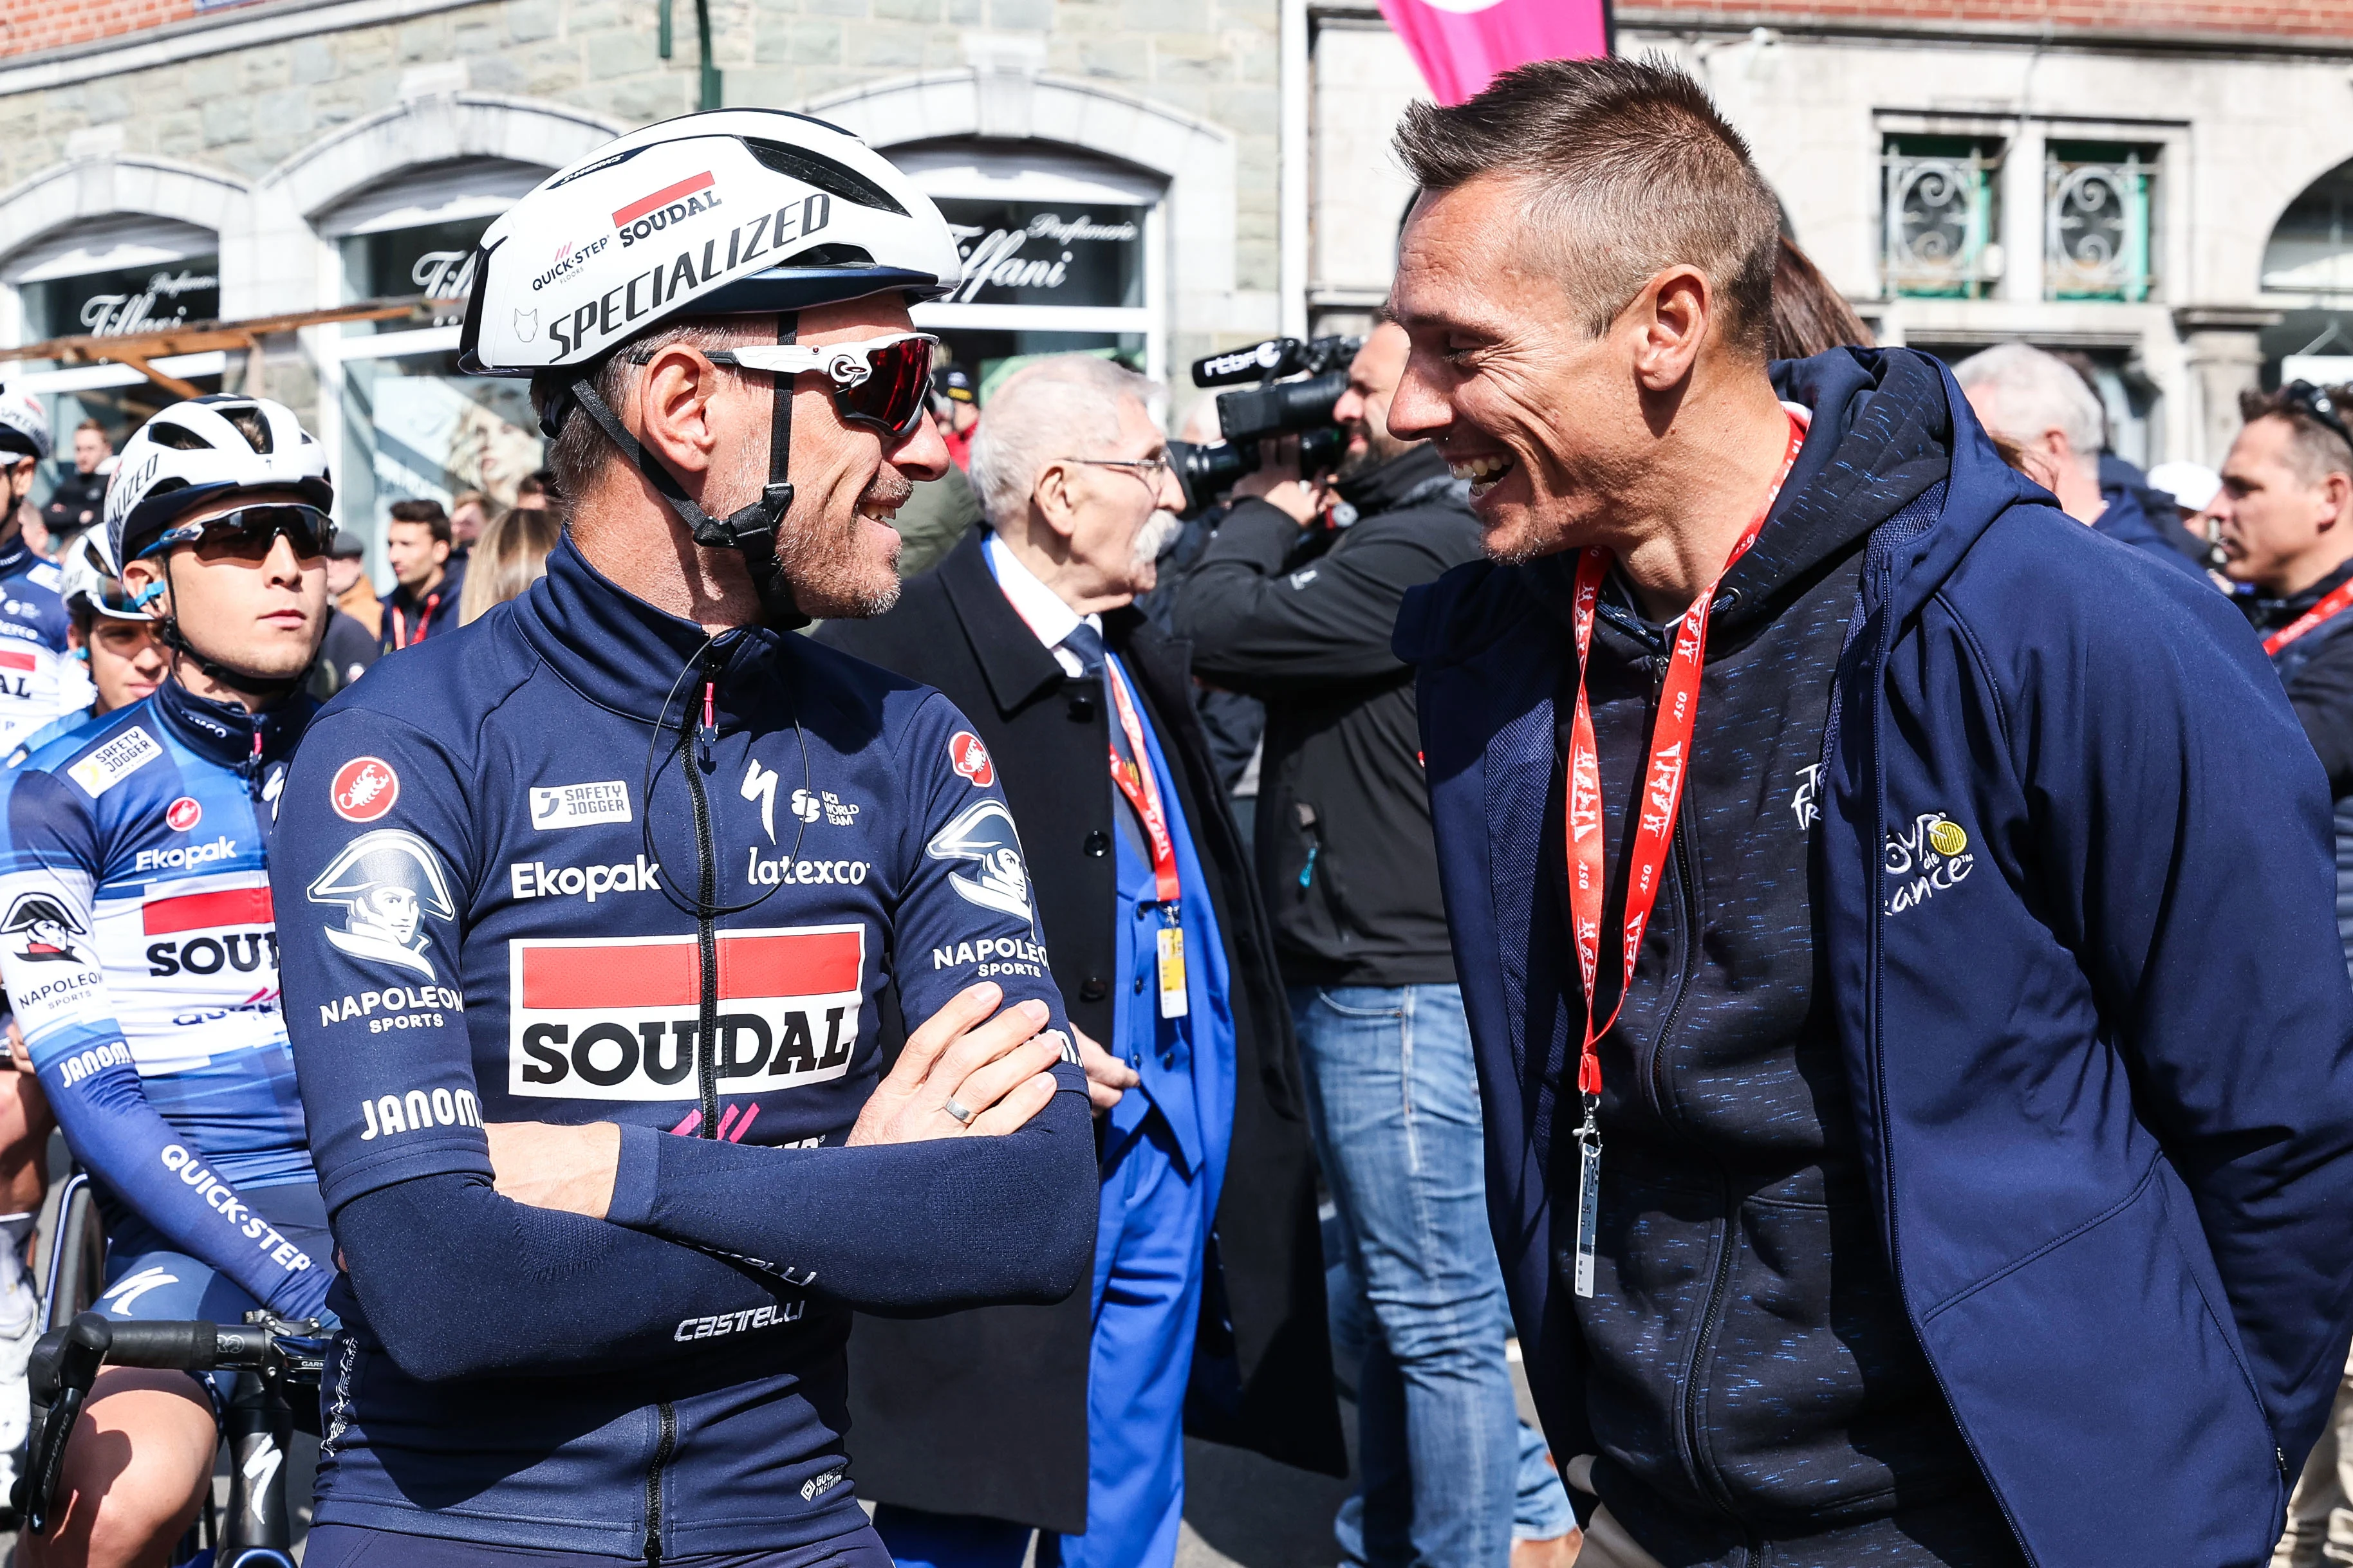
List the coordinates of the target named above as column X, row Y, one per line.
column 617, row 1018
column 1462, row 44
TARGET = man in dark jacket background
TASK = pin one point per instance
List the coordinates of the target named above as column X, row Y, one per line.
column 1293, row 608
column 974, row 1429
column 2286, row 514
column 427, row 582
column 1973, row 1144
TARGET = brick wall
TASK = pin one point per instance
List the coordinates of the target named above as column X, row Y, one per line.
column 29, row 25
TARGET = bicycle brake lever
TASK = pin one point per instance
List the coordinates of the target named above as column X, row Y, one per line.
column 81, row 1348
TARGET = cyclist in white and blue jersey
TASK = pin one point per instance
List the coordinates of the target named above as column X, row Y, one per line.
column 112, row 639
column 140, row 952
column 39, row 681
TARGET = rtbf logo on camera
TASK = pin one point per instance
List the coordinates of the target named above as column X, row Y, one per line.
column 617, row 1017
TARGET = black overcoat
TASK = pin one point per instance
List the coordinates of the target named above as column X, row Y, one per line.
column 984, row 1412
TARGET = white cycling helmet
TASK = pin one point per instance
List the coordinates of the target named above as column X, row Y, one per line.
column 86, row 574
column 733, row 211
column 24, row 427
column 195, row 450
column 736, row 211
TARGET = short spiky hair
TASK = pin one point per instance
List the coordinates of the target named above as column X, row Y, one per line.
column 1628, row 169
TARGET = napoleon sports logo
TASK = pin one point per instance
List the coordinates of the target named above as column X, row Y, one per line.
column 620, row 1018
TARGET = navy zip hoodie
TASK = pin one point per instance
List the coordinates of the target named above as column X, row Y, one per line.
column 2069, row 902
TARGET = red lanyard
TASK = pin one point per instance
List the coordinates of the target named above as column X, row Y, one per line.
column 1662, row 784
column 2336, row 600
column 400, row 637
column 1142, row 791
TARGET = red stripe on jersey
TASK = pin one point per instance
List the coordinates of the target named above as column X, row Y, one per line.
column 20, row 661
column 670, row 973
column 230, row 907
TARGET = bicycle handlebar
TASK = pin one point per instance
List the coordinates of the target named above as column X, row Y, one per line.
column 65, row 1364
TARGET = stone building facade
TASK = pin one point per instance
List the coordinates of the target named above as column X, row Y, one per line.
column 2163, row 185
column 1111, row 165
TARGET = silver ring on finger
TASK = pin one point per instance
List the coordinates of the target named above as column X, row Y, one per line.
column 960, row 1110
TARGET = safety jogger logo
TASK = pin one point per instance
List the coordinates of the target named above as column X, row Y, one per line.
column 619, row 1017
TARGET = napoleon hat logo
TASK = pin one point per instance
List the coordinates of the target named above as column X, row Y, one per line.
column 385, row 882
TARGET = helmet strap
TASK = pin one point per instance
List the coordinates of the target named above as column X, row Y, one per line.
column 168, row 632
column 750, row 531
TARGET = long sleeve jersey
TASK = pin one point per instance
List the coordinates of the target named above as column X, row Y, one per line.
column 141, row 954
column 493, row 853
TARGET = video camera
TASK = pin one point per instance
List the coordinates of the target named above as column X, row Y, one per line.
column 1298, row 383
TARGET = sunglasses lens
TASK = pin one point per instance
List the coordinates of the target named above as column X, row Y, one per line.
column 247, row 534
column 892, row 396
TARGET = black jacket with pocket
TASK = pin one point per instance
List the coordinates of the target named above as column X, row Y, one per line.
column 986, row 1411
column 1302, row 619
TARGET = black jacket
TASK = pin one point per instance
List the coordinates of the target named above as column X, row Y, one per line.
column 78, row 502
column 986, row 1412
column 2317, row 671
column 408, row 619
column 1303, row 620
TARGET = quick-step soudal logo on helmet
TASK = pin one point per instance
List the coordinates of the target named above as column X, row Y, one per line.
column 617, row 1018
column 671, row 203
column 363, row 789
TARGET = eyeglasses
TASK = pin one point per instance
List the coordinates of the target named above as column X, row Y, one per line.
column 882, row 383
column 2306, row 398
column 248, row 533
column 1152, row 471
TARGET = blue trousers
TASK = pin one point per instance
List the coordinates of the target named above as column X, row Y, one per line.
column 1450, row 1475
column 1150, row 1235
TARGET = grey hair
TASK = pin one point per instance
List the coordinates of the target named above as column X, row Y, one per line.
column 2035, row 392
column 1066, row 406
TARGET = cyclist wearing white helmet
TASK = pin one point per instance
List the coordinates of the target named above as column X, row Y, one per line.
column 138, row 944
column 114, row 639
column 38, row 682
column 624, row 856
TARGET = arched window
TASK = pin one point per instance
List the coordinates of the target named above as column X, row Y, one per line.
column 1061, row 253
column 2309, row 258
column 111, row 276
column 406, row 425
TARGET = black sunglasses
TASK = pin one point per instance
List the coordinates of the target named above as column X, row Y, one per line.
column 2306, row 398
column 248, row 533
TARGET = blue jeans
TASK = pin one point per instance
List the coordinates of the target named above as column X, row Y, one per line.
column 1417, row 1294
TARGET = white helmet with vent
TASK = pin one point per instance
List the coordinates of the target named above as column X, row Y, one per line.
column 204, row 447
column 24, row 427
column 736, row 211
column 86, row 574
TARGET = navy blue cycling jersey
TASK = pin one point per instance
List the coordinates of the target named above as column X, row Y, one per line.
column 485, row 924
column 137, row 941
column 39, row 680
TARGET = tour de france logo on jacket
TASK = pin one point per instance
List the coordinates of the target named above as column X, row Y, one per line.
column 1929, row 857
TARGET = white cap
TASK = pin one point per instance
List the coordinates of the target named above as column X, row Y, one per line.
column 2192, row 486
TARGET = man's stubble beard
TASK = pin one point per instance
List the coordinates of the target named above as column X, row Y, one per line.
column 831, row 580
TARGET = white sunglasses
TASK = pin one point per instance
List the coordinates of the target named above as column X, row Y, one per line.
column 883, row 382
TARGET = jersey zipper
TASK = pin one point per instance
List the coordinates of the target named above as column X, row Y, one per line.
column 1694, row 1434
column 665, row 1444
column 706, row 934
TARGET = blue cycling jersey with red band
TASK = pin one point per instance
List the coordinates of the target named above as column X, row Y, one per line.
column 140, row 955
column 489, row 918
column 39, row 680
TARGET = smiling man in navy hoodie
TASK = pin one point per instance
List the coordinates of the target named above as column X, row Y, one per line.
column 1959, row 1176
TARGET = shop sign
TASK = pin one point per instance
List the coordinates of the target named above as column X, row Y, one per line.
column 1026, row 253
column 115, row 304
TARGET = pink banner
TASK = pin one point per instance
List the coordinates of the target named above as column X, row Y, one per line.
column 1461, row 45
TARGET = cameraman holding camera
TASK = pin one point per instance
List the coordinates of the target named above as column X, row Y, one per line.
column 1292, row 606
